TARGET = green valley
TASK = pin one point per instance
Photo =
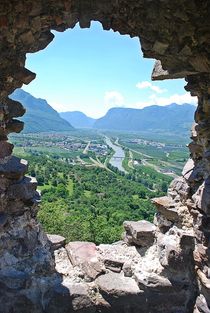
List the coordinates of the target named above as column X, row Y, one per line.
column 84, row 197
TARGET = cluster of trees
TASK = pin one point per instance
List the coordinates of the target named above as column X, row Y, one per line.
column 145, row 176
column 90, row 204
column 151, row 179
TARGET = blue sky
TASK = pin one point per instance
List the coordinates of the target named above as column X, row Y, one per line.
column 92, row 70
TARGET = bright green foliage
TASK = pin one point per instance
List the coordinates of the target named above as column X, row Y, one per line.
column 91, row 204
column 151, row 178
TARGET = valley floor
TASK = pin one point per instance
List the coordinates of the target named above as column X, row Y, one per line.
column 86, row 197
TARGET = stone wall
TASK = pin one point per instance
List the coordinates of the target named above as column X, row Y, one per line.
column 159, row 268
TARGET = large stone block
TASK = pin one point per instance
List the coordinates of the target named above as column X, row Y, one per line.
column 166, row 207
column 153, row 281
column 179, row 187
column 24, row 190
column 122, row 292
column 15, row 168
column 141, row 233
column 85, row 256
column 191, row 172
column 56, row 241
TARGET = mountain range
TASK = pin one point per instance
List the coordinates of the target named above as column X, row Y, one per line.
column 171, row 118
column 78, row 119
column 41, row 117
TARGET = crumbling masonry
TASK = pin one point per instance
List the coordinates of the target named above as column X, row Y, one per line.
column 159, row 268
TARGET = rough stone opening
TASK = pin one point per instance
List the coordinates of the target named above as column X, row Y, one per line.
column 126, row 218
column 174, row 33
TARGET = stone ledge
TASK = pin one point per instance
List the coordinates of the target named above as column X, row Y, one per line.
column 166, row 207
column 56, row 241
column 141, row 233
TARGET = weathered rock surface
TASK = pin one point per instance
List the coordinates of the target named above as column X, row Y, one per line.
column 56, row 241
column 162, row 268
column 117, row 285
column 140, row 233
column 166, row 207
column 85, row 255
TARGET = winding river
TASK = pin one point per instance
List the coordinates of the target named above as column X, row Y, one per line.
column 118, row 156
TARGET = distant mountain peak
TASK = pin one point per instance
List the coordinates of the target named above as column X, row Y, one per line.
column 39, row 116
column 78, row 119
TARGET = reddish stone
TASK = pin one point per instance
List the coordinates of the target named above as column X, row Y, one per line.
column 85, row 255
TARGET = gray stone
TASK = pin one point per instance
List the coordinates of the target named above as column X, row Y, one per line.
column 153, row 281
column 56, row 241
column 62, row 262
column 179, row 187
column 15, row 168
column 24, row 190
column 177, row 34
column 159, row 73
column 140, row 233
column 3, row 219
column 174, row 259
column 205, row 197
column 187, row 241
column 191, row 172
column 166, row 207
column 161, row 222
column 70, row 297
column 13, row 279
column 127, row 269
column 113, row 264
column 202, row 305
column 194, row 132
column 201, row 197
column 188, row 168
column 117, row 285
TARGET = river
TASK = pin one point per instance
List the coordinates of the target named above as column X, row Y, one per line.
column 118, row 156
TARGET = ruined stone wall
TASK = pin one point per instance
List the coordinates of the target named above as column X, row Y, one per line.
column 162, row 267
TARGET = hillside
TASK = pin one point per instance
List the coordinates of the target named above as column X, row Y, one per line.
column 39, row 116
column 78, row 119
column 172, row 118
